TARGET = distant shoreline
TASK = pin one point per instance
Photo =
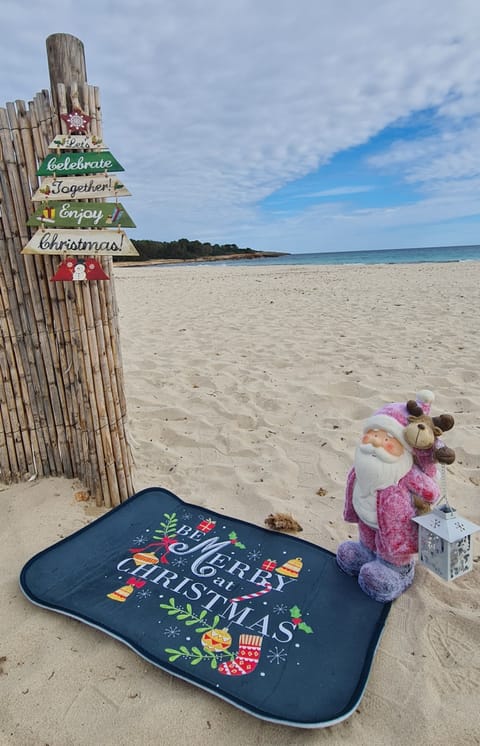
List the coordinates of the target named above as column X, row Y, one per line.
column 195, row 260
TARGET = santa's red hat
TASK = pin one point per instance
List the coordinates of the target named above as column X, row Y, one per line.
column 393, row 418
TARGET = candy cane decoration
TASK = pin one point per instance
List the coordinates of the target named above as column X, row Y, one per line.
column 266, row 589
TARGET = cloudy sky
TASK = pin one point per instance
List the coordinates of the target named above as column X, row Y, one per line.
column 314, row 125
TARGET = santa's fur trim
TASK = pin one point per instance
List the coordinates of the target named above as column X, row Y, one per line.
column 389, row 424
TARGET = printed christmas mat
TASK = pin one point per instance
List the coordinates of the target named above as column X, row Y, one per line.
column 261, row 619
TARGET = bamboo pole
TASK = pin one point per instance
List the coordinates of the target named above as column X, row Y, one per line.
column 38, row 277
column 17, row 306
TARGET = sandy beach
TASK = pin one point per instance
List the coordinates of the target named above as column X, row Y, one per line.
column 247, row 387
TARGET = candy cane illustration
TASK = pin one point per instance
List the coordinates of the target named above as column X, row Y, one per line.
column 266, row 589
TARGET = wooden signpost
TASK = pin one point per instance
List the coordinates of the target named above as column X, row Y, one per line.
column 69, row 164
column 69, row 175
column 80, row 243
column 76, row 187
column 81, row 215
column 76, row 142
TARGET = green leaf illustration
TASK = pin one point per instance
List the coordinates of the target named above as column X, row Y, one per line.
column 168, row 527
column 173, row 654
column 305, row 628
column 170, row 605
column 295, row 612
column 196, row 655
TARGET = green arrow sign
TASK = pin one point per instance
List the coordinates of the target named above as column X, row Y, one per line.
column 81, row 215
column 74, row 164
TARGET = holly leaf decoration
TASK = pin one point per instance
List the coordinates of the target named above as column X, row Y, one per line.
column 305, row 628
column 295, row 612
column 234, row 539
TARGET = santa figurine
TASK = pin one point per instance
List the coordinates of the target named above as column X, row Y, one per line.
column 379, row 498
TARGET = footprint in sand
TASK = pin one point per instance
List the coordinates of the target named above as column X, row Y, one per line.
column 453, row 643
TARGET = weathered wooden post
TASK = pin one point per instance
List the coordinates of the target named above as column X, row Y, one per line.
column 66, row 63
column 62, row 401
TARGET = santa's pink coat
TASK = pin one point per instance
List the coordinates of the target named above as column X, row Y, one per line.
column 396, row 539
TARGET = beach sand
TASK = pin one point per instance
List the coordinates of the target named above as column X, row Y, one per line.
column 246, row 390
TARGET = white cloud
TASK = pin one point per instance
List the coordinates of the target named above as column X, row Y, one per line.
column 335, row 192
column 213, row 106
column 451, row 154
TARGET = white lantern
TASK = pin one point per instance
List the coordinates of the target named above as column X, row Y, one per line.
column 445, row 542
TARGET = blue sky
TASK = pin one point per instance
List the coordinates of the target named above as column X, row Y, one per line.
column 307, row 126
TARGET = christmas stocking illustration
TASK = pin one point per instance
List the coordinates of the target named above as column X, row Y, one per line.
column 247, row 657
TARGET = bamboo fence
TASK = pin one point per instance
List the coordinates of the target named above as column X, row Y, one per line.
column 62, row 403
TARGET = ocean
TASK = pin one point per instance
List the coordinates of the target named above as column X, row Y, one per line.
column 383, row 256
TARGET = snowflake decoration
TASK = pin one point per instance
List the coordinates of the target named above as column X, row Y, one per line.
column 186, row 516
column 172, row 631
column 178, row 562
column 140, row 540
column 255, row 554
column 144, row 593
column 280, row 609
column 277, row 656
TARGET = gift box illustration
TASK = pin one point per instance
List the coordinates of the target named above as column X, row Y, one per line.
column 206, row 525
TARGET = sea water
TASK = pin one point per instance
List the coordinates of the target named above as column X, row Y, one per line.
column 382, row 256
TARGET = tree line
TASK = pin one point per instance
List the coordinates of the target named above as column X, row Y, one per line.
column 183, row 248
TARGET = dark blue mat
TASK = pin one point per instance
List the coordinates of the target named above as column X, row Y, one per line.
column 264, row 620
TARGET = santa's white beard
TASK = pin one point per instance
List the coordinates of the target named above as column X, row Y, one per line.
column 376, row 469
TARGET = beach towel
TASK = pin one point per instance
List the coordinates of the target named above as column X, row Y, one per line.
column 261, row 619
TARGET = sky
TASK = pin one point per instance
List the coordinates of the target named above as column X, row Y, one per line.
column 314, row 125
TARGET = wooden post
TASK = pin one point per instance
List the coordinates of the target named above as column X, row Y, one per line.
column 62, row 403
column 66, row 63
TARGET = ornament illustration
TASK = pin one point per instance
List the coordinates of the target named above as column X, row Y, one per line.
column 247, row 658
column 165, row 536
column 216, row 640
column 291, row 568
column 145, row 558
column 121, row 594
